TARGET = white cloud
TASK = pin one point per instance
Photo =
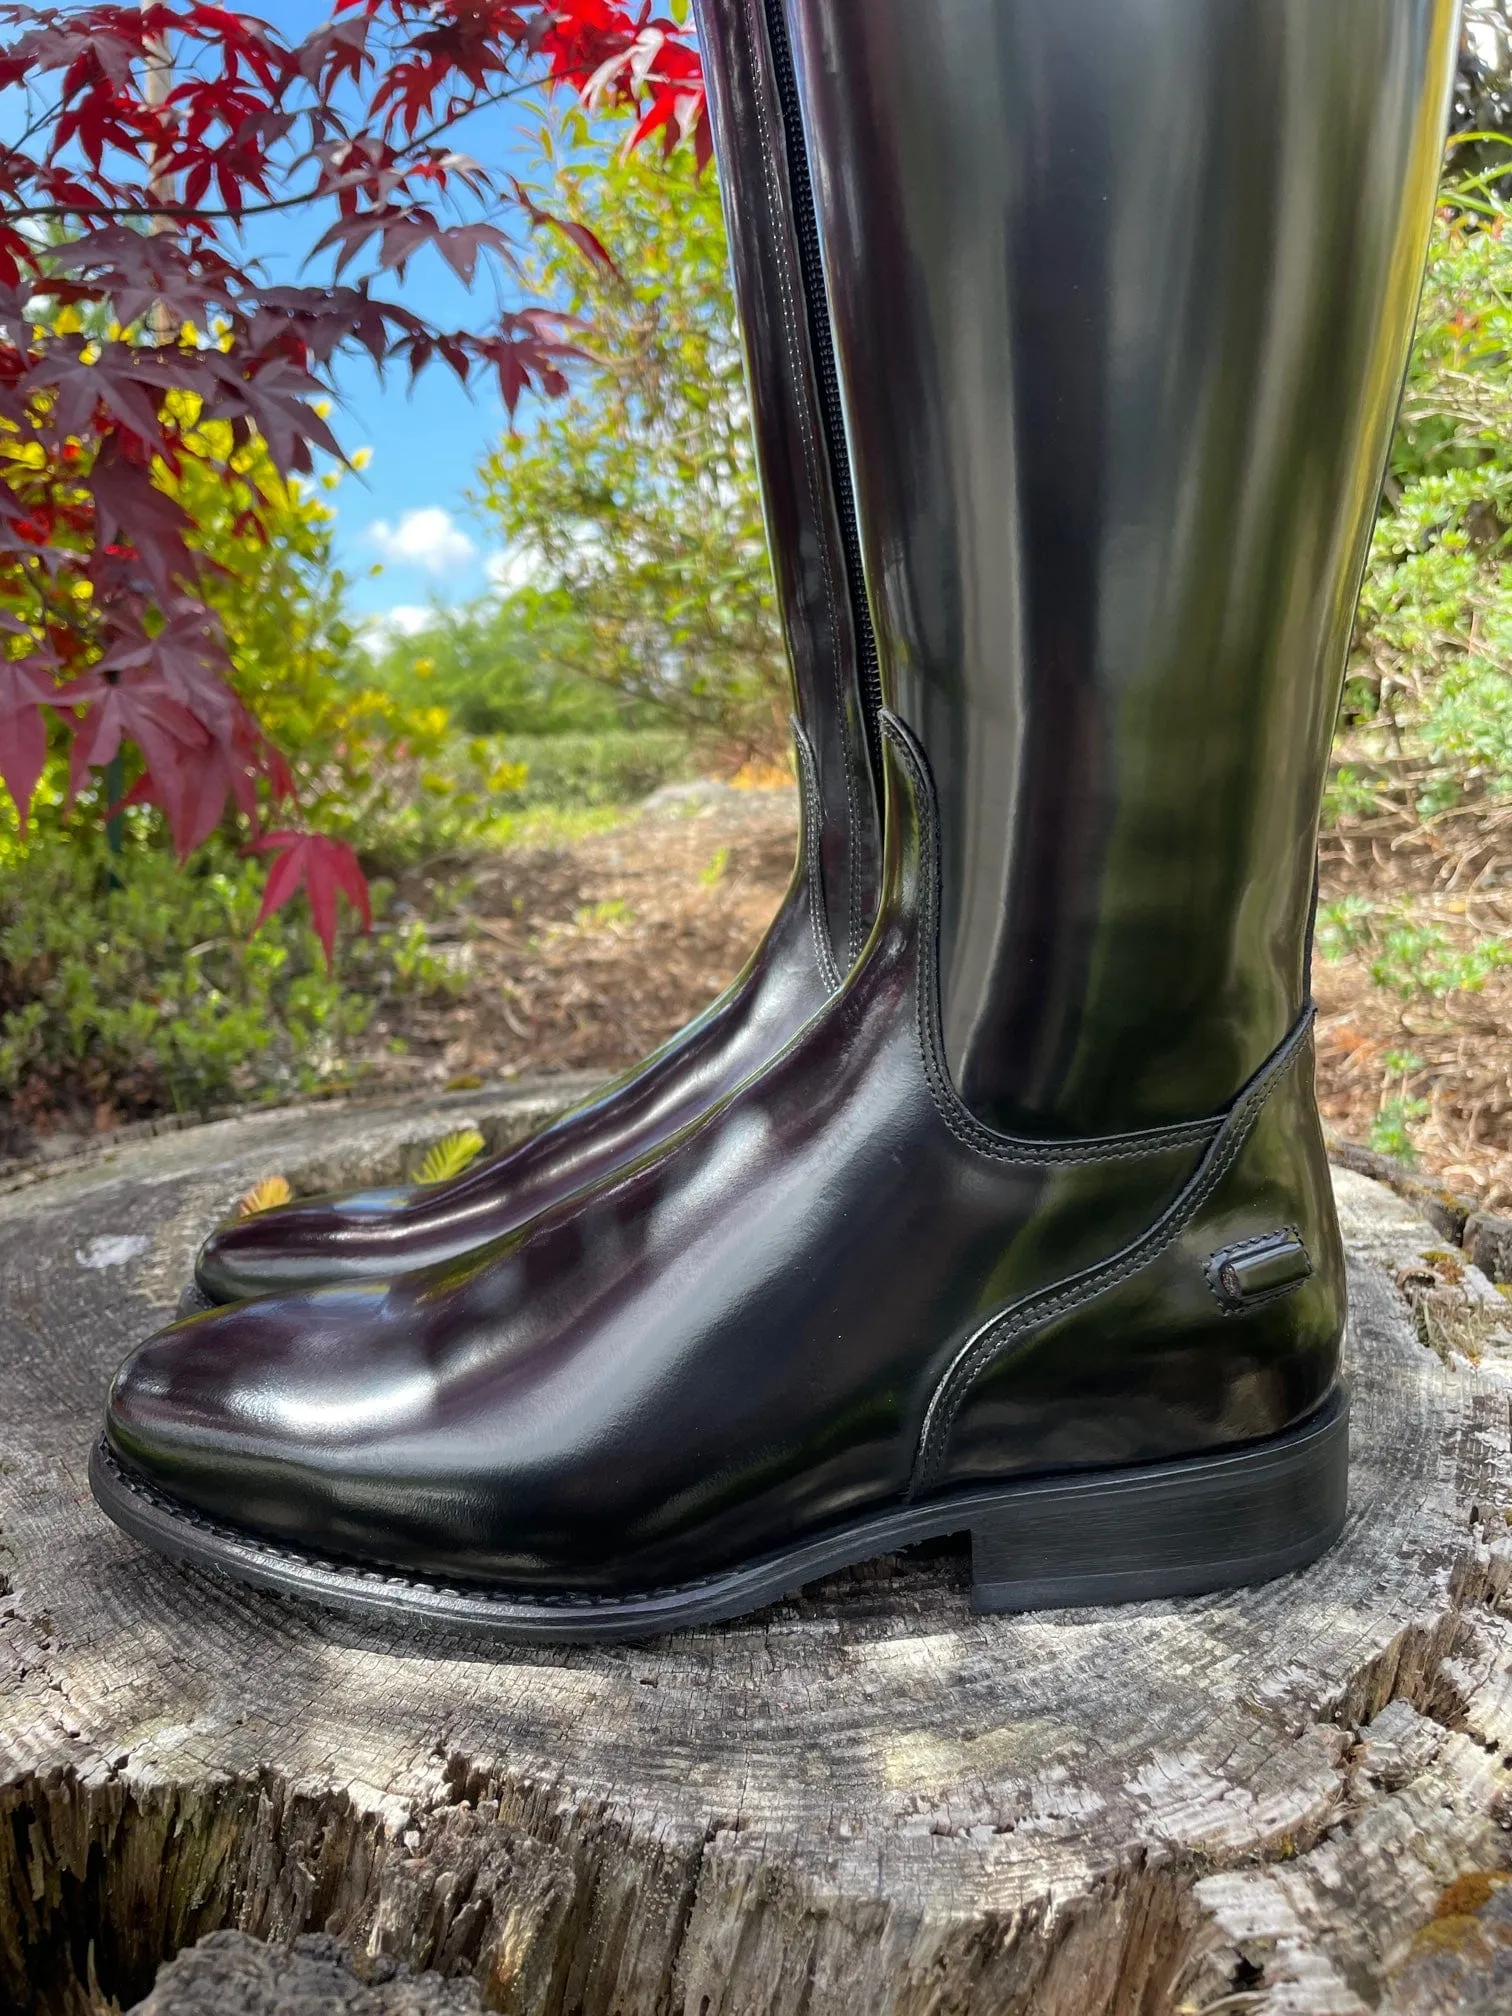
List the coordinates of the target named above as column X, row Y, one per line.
column 428, row 538
column 523, row 566
column 403, row 620
column 407, row 619
column 514, row 567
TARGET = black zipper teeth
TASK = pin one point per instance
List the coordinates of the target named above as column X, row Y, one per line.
column 826, row 373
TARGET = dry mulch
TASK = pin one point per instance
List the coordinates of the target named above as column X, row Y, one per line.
column 587, row 957
column 1454, row 876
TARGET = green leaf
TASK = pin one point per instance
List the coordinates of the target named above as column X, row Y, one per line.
column 450, row 1156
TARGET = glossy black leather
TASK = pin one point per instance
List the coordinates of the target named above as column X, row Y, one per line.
column 367, row 1235
column 839, row 1291
column 789, row 358
column 1123, row 292
column 815, row 1302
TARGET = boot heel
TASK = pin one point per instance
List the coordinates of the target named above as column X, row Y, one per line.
column 1171, row 1529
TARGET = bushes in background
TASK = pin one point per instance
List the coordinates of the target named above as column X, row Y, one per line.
column 131, row 985
column 614, row 768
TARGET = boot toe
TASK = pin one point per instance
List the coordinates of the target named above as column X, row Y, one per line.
column 251, row 1414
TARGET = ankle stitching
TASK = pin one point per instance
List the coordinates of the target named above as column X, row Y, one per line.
column 1063, row 1298
column 962, row 1123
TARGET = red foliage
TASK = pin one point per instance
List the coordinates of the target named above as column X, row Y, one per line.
column 325, row 868
column 122, row 201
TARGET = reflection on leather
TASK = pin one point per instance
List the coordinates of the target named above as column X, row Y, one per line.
column 736, row 1342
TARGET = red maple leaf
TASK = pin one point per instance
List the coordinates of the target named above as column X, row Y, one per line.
column 183, row 117
column 25, row 690
column 325, row 868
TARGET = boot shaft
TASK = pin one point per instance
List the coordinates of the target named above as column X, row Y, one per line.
column 1122, row 299
column 800, row 453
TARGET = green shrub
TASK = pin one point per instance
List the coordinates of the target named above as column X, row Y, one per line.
column 1408, row 957
column 468, row 794
column 1426, row 729
column 133, row 984
column 631, row 507
column 1391, row 1130
column 616, row 768
column 497, row 671
column 1430, row 684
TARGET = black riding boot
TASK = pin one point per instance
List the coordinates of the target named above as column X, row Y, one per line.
column 1028, row 1234
column 829, row 906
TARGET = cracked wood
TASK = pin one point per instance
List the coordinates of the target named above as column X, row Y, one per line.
column 1291, row 1800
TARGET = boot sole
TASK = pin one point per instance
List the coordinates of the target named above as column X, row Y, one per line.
column 1049, row 1543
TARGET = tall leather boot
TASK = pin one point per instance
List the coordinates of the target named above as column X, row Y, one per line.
column 828, row 909
column 1028, row 1234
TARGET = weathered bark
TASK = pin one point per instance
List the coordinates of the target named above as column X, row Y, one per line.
column 863, row 1800
column 1445, row 1210
column 230, row 1974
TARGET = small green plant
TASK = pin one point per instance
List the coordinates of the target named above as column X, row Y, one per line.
column 1408, row 956
column 418, row 968
column 1399, row 1111
column 1348, row 795
column 448, row 1157
column 129, row 985
column 715, row 872
column 604, row 915
column 1391, row 1130
column 611, row 766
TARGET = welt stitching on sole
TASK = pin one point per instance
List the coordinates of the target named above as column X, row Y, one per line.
column 528, row 1610
column 366, row 1574
column 362, row 1572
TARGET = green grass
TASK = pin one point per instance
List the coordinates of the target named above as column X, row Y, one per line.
column 548, row 826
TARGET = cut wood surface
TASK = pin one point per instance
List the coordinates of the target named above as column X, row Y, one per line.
column 863, row 1802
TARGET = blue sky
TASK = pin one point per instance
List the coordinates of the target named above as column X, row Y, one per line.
column 407, row 511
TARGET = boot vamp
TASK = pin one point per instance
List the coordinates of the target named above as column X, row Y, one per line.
column 728, row 1348
column 372, row 1235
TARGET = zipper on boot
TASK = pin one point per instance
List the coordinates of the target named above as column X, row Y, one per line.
column 826, row 376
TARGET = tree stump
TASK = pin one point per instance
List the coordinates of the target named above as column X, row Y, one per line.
column 313, row 1977
column 863, row 1802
